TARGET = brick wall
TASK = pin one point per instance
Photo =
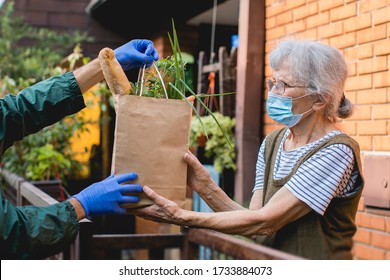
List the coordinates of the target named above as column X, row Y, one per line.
column 68, row 16
column 361, row 30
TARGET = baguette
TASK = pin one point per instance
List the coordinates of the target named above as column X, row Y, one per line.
column 114, row 75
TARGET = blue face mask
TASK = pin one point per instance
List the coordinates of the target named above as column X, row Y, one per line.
column 279, row 109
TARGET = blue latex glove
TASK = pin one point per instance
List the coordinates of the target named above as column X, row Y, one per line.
column 136, row 53
column 106, row 196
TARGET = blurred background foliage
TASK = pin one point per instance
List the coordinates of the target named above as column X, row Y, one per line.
column 27, row 56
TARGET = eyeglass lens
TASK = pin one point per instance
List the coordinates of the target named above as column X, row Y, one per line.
column 279, row 86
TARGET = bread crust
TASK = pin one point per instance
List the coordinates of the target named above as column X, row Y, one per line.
column 113, row 74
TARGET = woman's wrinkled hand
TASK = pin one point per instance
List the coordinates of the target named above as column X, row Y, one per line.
column 163, row 210
column 197, row 175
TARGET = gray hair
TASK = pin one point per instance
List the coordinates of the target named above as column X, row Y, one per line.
column 322, row 68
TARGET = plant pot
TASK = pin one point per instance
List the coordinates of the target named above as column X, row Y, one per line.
column 201, row 141
column 53, row 188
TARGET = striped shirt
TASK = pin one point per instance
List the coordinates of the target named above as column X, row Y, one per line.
column 327, row 174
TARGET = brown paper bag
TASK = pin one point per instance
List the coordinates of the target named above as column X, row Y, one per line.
column 151, row 138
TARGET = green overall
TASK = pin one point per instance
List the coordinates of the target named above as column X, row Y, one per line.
column 314, row 236
column 31, row 232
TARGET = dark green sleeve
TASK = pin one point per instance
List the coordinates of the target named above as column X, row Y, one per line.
column 31, row 232
column 37, row 107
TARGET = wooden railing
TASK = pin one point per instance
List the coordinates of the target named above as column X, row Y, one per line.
column 189, row 241
column 21, row 192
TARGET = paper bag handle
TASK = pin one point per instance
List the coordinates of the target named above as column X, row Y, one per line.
column 141, row 74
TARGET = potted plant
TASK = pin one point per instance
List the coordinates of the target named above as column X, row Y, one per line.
column 45, row 157
column 48, row 171
column 218, row 144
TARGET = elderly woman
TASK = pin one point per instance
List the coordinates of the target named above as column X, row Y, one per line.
column 308, row 174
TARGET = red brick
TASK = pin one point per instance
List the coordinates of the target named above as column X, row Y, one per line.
column 381, row 15
column 295, row 27
column 268, row 71
column 381, row 111
column 352, row 69
column 357, row 23
column 361, row 112
column 371, row 34
column 371, row 65
column 382, row 47
column 388, row 127
column 381, row 143
column 388, row 94
column 365, row 142
column 351, row 95
column 359, row 52
column 388, row 29
column 366, row 252
column 372, row 128
column 268, row 46
column 387, row 223
column 330, row 30
column 275, row 33
column 365, row 51
column 363, row 236
column 308, row 34
column 371, row 96
column 305, row 11
column 284, row 18
column 317, row 20
column 329, row 4
column 381, row 79
column 289, row 5
column 343, row 12
column 359, row 82
column 351, row 54
column 270, row 23
column 344, row 41
column 381, row 240
column 274, row 9
column 370, row 5
column 348, row 127
column 377, row 222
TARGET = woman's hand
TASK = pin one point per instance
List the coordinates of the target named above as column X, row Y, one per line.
column 198, row 178
column 163, row 211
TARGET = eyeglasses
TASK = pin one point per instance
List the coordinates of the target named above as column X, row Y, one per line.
column 280, row 86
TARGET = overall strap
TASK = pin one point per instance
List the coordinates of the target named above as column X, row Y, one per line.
column 270, row 150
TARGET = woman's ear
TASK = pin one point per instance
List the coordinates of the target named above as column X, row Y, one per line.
column 319, row 106
column 319, row 102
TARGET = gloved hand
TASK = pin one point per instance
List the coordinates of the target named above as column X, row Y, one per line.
column 136, row 53
column 106, row 196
